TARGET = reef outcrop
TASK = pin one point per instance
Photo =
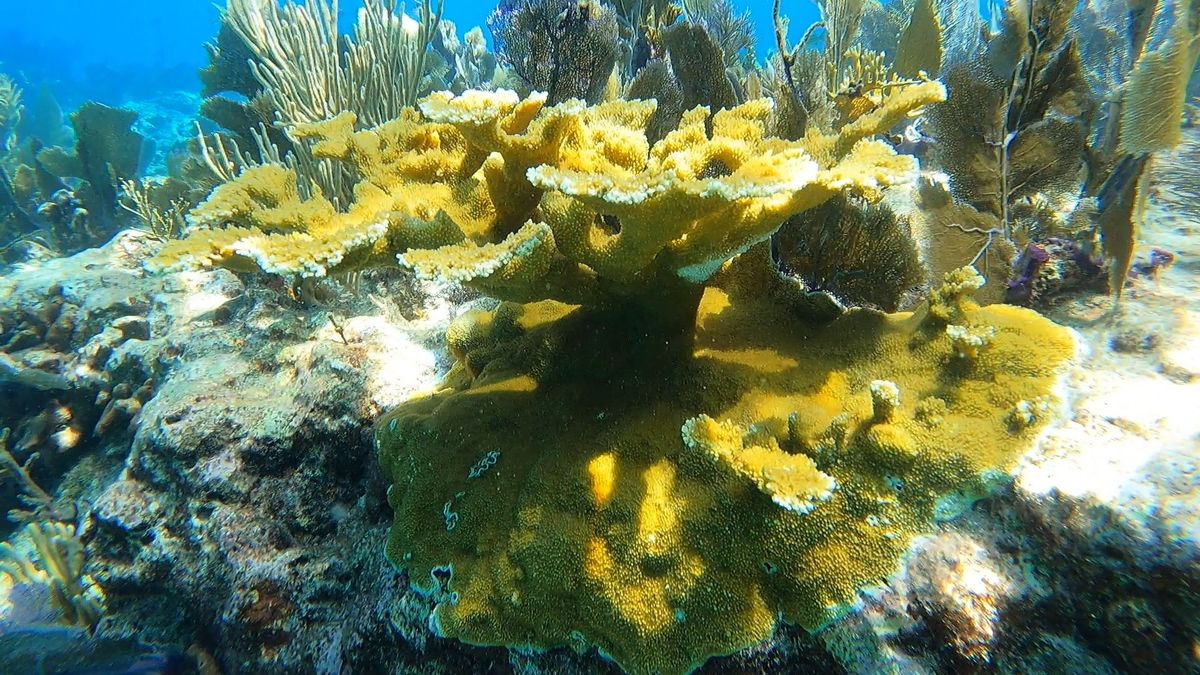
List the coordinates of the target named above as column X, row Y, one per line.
column 653, row 445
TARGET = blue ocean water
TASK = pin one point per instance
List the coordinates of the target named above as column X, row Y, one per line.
column 114, row 52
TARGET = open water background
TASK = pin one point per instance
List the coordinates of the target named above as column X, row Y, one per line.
column 116, row 51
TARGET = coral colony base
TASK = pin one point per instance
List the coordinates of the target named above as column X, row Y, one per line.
column 671, row 352
column 789, row 465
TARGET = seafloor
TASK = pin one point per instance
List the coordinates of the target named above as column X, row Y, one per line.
column 238, row 515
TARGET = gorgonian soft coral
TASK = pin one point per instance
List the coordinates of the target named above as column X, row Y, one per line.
column 566, row 48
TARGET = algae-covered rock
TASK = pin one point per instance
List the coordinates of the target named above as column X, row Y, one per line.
column 240, row 501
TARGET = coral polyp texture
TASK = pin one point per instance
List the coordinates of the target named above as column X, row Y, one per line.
column 671, row 509
column 651, row 446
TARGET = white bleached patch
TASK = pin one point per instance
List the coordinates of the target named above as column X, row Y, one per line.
column 400, row 367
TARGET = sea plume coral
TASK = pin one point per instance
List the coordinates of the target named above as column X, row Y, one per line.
column 862, row 254
column 10, row 110
column 311, row 73
column 57, row 564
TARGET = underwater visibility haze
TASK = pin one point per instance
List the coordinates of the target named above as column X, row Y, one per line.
column 600, row 336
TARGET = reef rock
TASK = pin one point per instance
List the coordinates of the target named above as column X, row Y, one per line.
column 243, row 514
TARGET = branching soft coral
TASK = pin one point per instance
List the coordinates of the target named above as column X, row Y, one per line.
column 57, row 564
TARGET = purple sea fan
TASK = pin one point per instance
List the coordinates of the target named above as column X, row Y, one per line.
column 1159, row 260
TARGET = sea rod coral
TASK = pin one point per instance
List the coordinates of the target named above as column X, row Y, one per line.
column 647, row 447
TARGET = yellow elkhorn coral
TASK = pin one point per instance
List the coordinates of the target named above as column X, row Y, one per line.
column 648, row 449
column 468, row 171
